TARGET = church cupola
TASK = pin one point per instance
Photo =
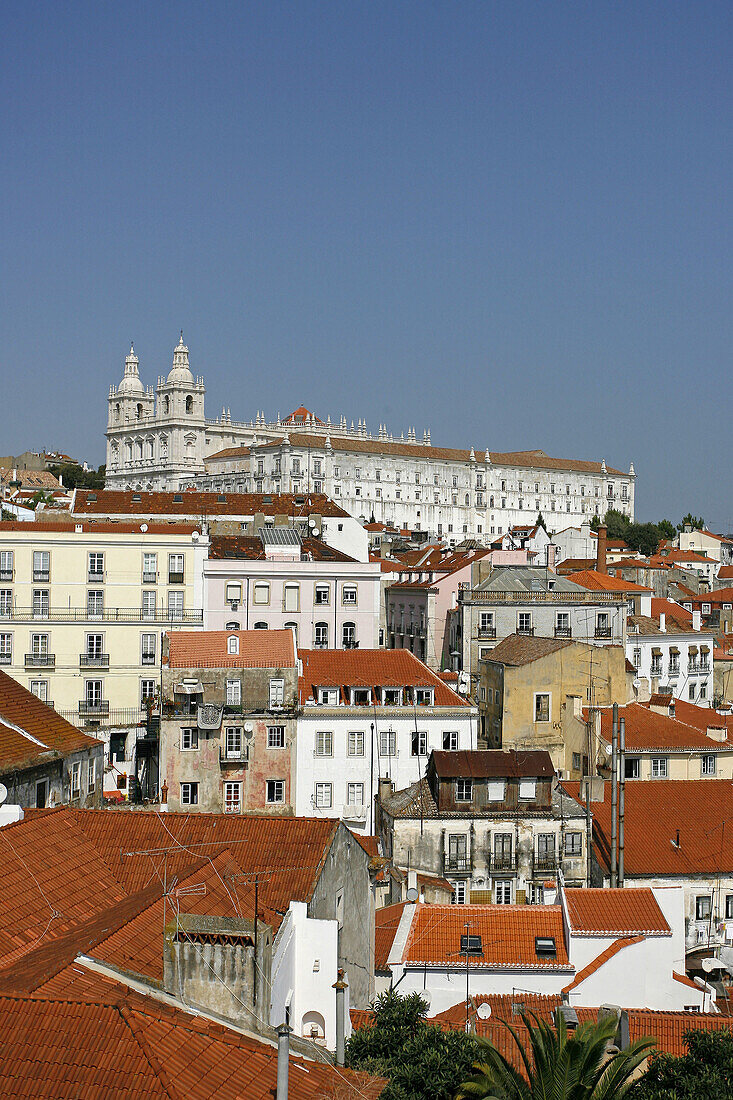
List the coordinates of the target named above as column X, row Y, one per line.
column 180, row 371
column 131, row 380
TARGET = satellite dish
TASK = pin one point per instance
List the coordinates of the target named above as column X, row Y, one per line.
column 143, row 527
column 412, row 894
column 195, row 536
column 248, row 727
column 711, row 964
column 311, row 523
column 484, row 1011
column 316, row 531
column 3, row 793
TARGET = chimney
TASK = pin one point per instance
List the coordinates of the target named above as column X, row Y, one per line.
column 601, row 551
column 283, row 1061
column 385, row 788
column 663, row 623
column 551, row 554
column 696, row 620
column 340, row 987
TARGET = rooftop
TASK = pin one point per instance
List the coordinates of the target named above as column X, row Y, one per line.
column 192, row 502
column 518, row 649
column 604, row 582
column 371, row 668
column 619, row 912
column 210, row 649
column 493, row 763
column 252, row 548
column 646, row 729
column 32, row 732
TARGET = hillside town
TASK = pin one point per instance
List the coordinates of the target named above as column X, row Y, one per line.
column 295, row 717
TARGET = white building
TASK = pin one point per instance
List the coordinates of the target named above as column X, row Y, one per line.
column 162, row 440
column 365, row 715
column 671, row 652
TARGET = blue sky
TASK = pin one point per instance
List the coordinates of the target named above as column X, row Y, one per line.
column 508, row 222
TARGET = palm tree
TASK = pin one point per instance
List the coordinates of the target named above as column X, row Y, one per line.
column 557, row 1064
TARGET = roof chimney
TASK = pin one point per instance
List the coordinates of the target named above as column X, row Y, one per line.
column 601, row 551
column 696, row 620
column 663, row 623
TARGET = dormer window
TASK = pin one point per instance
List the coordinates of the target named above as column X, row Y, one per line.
column 392, row 697
column 424, row 697
column 464, row 790
column 527, row 790
column 328, row 697
column 361, row 697
column 233, row 644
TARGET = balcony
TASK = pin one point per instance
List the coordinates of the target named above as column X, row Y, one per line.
column 94, row 660
column 231, row 759
column 95, row 578
column 543, row 862
column 656, row 670
column 93, row 708
column 175, row 578
column 525, row 631
column 563, row 631
column 40, row 660
column 108, row 615
column 6, row 574
column 6, row 658
column 43, row 575
column 501, row 862
column 487, row 632
column 693, row 667
column 603, row 632
column 149, row 578
column 674, row 670
column 148, row 659
column 457, row 865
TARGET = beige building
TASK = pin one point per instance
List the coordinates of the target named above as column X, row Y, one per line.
column 532, row 691
column 83, row 607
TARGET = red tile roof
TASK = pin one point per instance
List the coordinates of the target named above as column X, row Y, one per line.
column 251, row 548
column 604, row 582
column 487, row 763
column 718, row 596
column 507, row 932
column 593, row 912
column 298, row 416
column 31, row 732
column 208, row 649
column 676, row 616
column 67, row 525
column 118, row 502
column 345, row 668
column 655, row 811
column 646, row 729
column 386, row 922
column 517, row 649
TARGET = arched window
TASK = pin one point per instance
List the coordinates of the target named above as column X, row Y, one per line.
column 234, row 625
column 189, row 404
column 291, row 597
column 128, row 451
column 166, row 405
column 117, row 411
column 233, row 644
column 139, row 448
column 149, row 446
column 320, row 638
column 261, row 626
column 139, row 411
column 348, row 635
column 164, row 446
column 294, row 628
column 314, row 1025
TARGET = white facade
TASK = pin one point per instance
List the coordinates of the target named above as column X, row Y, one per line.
column 343, row 750
column 680, row 662
column 162, row 440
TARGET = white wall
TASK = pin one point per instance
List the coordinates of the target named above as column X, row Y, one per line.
column 448, row 987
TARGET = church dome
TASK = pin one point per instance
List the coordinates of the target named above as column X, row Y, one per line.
column 180, row 371
column 131, row 381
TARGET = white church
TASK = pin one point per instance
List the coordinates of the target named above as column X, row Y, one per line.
column 160, row 439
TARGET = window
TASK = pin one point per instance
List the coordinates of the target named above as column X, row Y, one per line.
column 175, row 569
column 356, row 743
column 147, row 691
column 486, row 622
column 91, row 777
column 464, row 790
column 323, row 594
column 458, row 896
column 261, row 592
column 39, row 646
column 328, row 697
column 573, row 844
column 577, row 764
column 708, row 764
column 524, row 622
column 496, row 790
column 503, row 892
column 76, row 779
column 233, row 625
column 277, row 692
column 391, row 697
column 728, row 906
column 348, row 635
column 275, row 791
column 96, row 566
column 233, row 644
column 6, row 565
column 691, row 692
column 189, row 794
column 93, row 693
column 175, row 606
column 147, row 646
column 189, row 739
column 703, row 907
column 424, row 697
column 387, row 743
column 603, row 625
column 150, row 568
column 39, row 688
column 324, row 743
column 659, row 767
column 234, row 742
column 631, row 767
column 276, row 737
column 348, row 594
column 234, row 693
column 355, row 794
column 324, row 795
column 261, row 625
column 6, row 603
column 527, row 790
column 542, row 707
column 419, row 743
column 320, row 636
column 95, row 603
column 450, row 740
column 148, row 605
column 41, row 565
column 232, row 798
column 637, row 657
column 562, row 624
column 292, row 597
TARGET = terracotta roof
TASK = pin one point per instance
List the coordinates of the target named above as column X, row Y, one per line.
column 620, row 912
column 298, row 416
column 208, row 649
column 517, row 649
column 31, row 731
column 600, row 960
column 527, row 459
column 250, row 547
column 195, row 503
column 718, row 596
column 689, row 555
column 655, row 811
column 725, row 573
column 646, row 729
column 701, row 718
column 488, row 763
column 386, row 923
column 574, row 565
column 373, row 668
column 604, row 582
column 31, row 479
column 67, row 525
column 507, row 933
column 126, row 1043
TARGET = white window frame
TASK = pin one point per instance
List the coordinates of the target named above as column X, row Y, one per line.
column 387, row 743
column 542, row 695
column 277, row 692
column 328, row 697
column 261, row 593
column 233, row 645
column 527, row 790
column 291, row 605
column 349, row 595
column 233, row 743
column 422, row 743
column 705, row 761
column 323, row 743
column 355, row 793
column 355, row 742
column 659, row 767
column 452, row 736
column 276, row 737
column 234, row 693
column 189, row 739
column 189, row 794
column 274, row 792
column 323, row 796
column 75, row 779
column 232, row 797
column 464, row 790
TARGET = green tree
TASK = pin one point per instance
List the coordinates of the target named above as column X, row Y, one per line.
column 667, row 529
column 617, row 524
column 704, row 1073
column 421, row 1060
column 696, row 522
column 557, row 1064
column 540, row 521
column 643, row 537
column 76, row 477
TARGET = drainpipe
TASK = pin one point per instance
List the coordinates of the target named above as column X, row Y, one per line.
column 340, row 987
column 621, row 797
column 614, row 794
column 283, row 1061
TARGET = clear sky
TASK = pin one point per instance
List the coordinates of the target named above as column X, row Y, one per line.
column 509, row 222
